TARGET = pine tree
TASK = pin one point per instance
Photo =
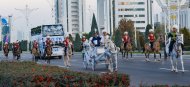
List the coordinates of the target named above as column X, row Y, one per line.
column 118, row 38
column 186, row 35
column 70, row 38
column 148, row 27
column 94, row 26
column 77, row 43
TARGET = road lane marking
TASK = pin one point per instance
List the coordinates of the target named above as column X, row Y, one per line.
column 171, row 69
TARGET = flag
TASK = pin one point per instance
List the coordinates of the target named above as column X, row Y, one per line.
column 4, row 21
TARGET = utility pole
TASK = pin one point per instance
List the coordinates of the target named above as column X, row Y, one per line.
column 26, row 12
column 51, row 4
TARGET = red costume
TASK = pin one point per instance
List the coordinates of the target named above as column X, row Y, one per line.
column 125, row 39
column 48, row 42
column 16, row 45
column 6, row 46
column 151, row 37
column 66, row 42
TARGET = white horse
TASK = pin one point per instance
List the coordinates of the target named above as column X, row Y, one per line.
column 113, row 50
column 176, row 53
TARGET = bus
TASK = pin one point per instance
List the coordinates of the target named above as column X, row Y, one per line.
column 56, row 34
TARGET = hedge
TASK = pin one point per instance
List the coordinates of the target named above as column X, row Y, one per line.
column 30, row 74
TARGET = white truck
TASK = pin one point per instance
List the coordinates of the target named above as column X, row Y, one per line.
column 56, row 34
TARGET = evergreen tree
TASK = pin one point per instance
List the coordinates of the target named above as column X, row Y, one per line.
column 118, row 38
column 77, row 43
column 186, row 36
column 94, row 26
column 70, row 38
column 148, row 27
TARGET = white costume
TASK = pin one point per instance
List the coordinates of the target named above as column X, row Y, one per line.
column 104, row 38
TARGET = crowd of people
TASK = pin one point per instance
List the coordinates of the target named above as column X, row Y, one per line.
column 98, row 40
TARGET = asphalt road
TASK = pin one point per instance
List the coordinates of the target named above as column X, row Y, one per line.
column 139, row 70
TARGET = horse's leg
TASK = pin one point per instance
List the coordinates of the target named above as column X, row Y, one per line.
column 171, row 59
column 131, row 54
column 154, row 56
column 122, row 54
column 65, row 61
column 160, row 55
column 145, row 54
column 33, row 57
column 49, row 59
column 127, row 54
column 182, row 63
column 69, row 57
column 176, row 70
column 114, row 61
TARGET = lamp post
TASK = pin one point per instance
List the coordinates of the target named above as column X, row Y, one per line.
column 135, row 32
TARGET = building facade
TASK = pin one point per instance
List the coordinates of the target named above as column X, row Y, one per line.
column 105, row 15
column 139, row 11
column 69, row 13
column 184, row 15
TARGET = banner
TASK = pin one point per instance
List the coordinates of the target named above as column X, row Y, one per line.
column 4, row 21
column 6, row 33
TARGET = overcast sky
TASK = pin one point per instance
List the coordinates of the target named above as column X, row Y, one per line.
column 41, row 16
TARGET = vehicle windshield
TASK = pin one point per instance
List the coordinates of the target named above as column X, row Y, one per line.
column 58, row 44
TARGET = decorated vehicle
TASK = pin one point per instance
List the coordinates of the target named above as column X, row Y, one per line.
column 56, row 35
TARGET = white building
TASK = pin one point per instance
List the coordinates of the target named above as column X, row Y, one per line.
column 184, row 15
column 69, row 13
column 139, row 11
column 75, row 15
column 104, row 15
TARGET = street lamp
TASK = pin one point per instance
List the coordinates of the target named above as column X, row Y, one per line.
column 135, row 31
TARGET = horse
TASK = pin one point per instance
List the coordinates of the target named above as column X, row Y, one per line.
column 16, row 52
column 35, row 54
column 112, row 59
column 6, row 51
column 176, row 53
column 155, row 50
column 128, row 49
column 68, row 55
column 48, row 53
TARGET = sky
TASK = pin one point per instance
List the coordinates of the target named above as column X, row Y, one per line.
column 41, row 16
column 38, row 17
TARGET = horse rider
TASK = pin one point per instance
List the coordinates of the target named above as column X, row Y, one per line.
column 6, row 46
column 151, row 38
column 48, row 42
column 104, row 37
column 83, row 40
column 35, row 45
column 125, row 39
column 96, row 40
column 16, row 45
column 173, row 35
column 66, row 44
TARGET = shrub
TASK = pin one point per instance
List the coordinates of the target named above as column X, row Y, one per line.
column 29, row 74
